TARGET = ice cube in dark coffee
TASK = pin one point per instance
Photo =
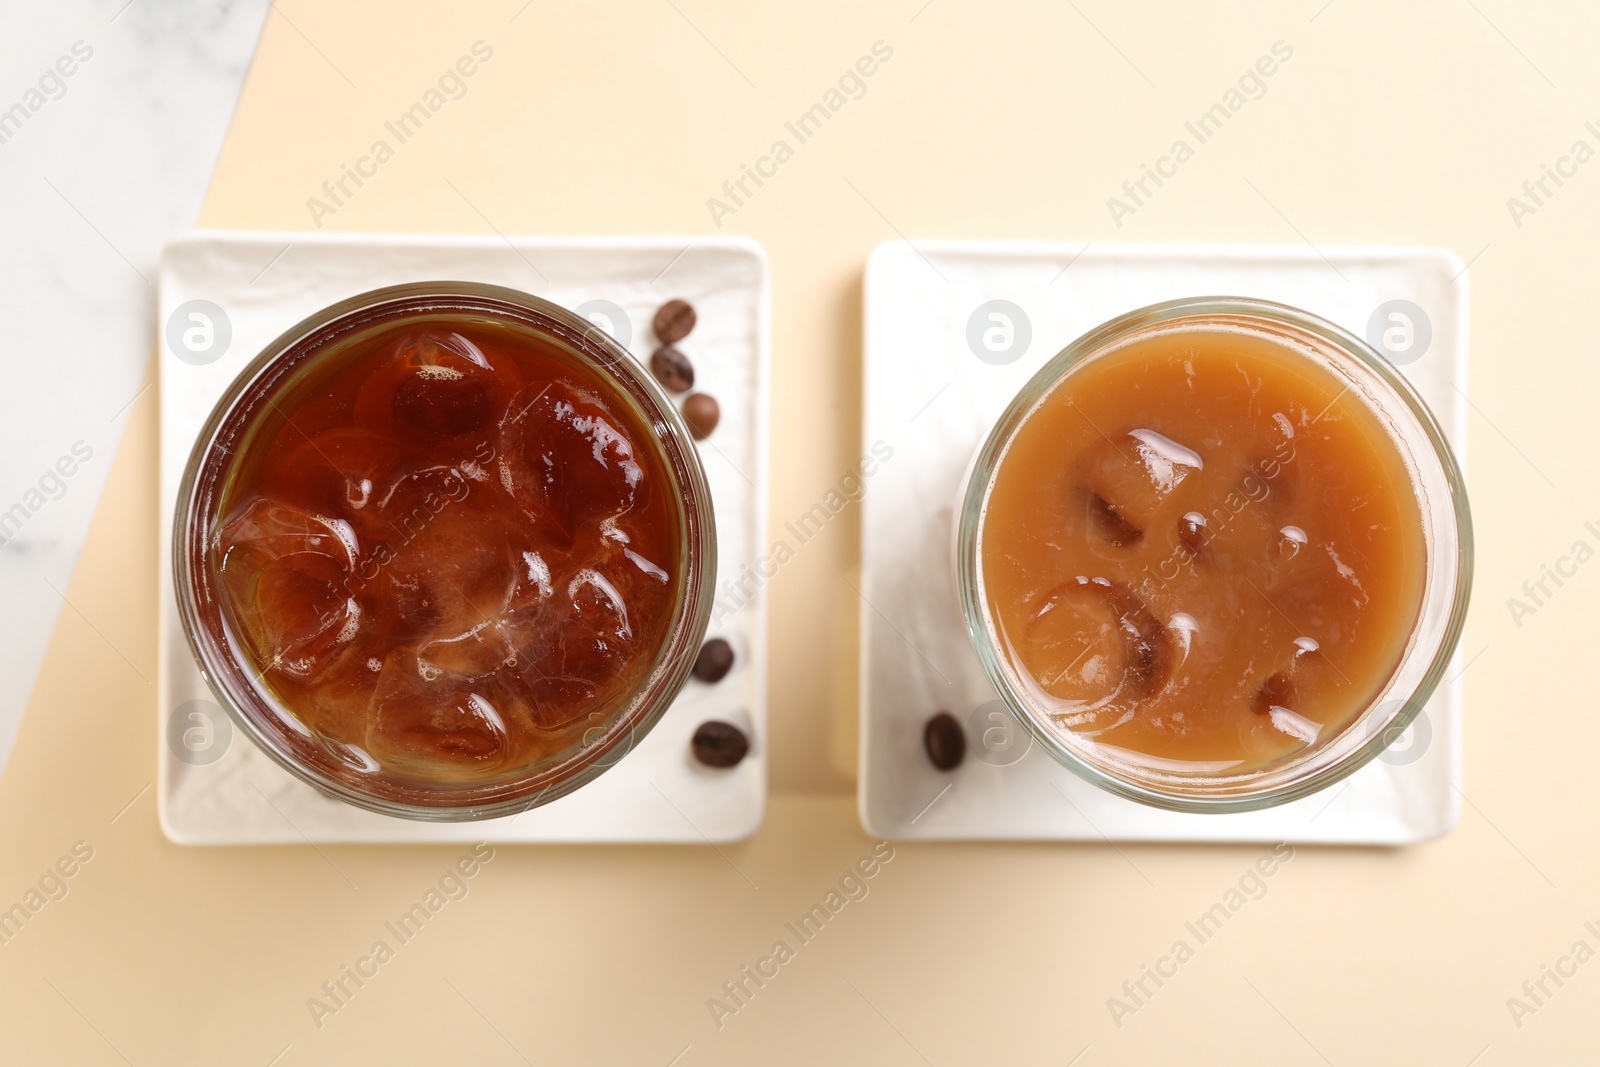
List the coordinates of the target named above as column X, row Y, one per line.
column 453, row 550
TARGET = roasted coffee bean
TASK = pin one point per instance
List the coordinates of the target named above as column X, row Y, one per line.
column 945, row 741
column 714, row 661
column 672, row 369
column 719, row 744
column 673, row 321
column 702, row 412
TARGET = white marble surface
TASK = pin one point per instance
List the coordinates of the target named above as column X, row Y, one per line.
column 107, row 163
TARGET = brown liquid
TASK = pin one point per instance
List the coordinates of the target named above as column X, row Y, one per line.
column 1201, row 548
column 452, row 551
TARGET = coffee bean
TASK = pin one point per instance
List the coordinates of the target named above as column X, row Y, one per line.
column 945, row 741
column 672, row 369
column 702, row 412
column 719, row 744
column 673, row 321
column 714, row 661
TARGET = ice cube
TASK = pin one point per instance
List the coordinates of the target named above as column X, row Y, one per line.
column 478, row 653
column 266, row 529
column 1166, row 463
column 1284, row 694
column 565, row 462
column 1109, row 523
column 1128, row 478
column 449, row 576
column 346, row 467
column 301, row 613
column 1295, row 725
column 577, row 652
column 1102, row 641
column 597, row 609
column 1272, row 474
column 640, row 580
column 523, row 631
column 403, row 507
column 438, row 385
column 288, row 572
column 337, row 701
column 424, row 716
column 1290, row 541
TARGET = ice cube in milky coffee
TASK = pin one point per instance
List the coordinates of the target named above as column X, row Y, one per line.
column 455, row 550
column 1202, row 550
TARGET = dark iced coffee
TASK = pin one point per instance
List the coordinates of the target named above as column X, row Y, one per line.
column 449, row 552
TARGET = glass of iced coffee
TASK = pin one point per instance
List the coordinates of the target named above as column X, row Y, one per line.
column 1215, row 555
column 445, row 551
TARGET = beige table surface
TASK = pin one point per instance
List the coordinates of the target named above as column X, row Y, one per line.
column 1392, row 123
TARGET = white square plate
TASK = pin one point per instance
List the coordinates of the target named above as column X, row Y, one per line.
column 226, row 791
column 931, row 399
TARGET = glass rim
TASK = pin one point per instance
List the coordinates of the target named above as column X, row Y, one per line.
column 221, row 667
column 978, row 481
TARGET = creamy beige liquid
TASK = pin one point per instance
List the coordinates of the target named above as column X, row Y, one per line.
column 1202, row 548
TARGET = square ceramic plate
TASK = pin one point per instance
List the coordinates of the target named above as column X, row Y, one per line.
column 936, row 382
column 216, row 787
